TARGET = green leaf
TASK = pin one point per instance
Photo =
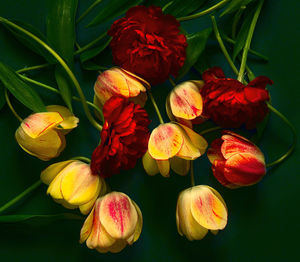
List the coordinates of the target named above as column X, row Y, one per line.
column 20, row 90
column 2, row 97
column 113, row 9
column 202, row 64
column 260, row 128
column 182, row 8
column 92, row 66
column 91, row 53
column 196, row 45
column 235, row 5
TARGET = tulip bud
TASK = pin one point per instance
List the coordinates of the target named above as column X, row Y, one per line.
column 199, row 209
column 117, row 81
column 114, row 222
column 72, row 184
column 42, row 134
column 236, row 161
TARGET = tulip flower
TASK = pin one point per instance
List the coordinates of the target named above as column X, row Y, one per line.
column 236, row 161
column 42, row 134
column 172, row 145
column 184, row 104
column 117, row 81
column 199, row 209
column 114, row 222
column 72, row 184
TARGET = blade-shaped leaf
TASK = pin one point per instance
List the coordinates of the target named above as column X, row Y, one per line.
column 196, row 45
column 113, row 9
column 91, row 53
column 20, row 90
column 2, row 97
column 235, row 5
column 182, row 8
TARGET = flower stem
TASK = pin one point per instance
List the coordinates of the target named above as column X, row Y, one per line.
column 155, row 107
column 63, row 64
column 209, row 130
column 10, row 106
column 30, row 68
column 89, row 45
column 222, row 46
column 236, row 20
column 248, row 41
column 204, row 12
column 20, row 196
column 82, row 158
column 284, row 156
column 192, row 174
column 86, row 12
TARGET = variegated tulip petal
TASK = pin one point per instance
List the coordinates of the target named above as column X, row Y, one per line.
column 207, row 209
column 118, row 215
column 150, row 165
column 78, row 185
column 218, row 171
column 180, row 166
column 164, row 167
column 85, row 208
column 45, row 147
column 186, row 223
column 143, row 81
column 186, row 101
column 165, row 141
column 188, row 151
column 214, row 152
column 40, row 123
column 87, row 227
column 139, row 226
column 244, row 169
column 119, row 245
column 52, row 171
column 54, row 188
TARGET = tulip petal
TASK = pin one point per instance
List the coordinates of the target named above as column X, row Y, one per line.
column 87, row 227
column 139, row 226
column 52, row 171
column 78, row 185
column 218, row 171
column 85, row 208
column 118, row 215
column 150, row 165
column 64, row 203
column 54, row 188
column 39, row 123
column 180, row 166
column 117, row 246
column 188, row 151
column 186, row 101
column 164, row 167
column 165, row 141
column 207, row 209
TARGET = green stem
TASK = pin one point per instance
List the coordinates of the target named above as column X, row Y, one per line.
column 64, row 65
column 20, row 196
column 86, row 12
column 222, row 46
column 172, row 82
column 30, row 68
column 236, row 20
column 89, row 45
column 248, row 41
column 155, row 107
column 82, row 158
column 209, row 130
column 192, row 174
column 205, row 12
column 284, row 156
column 10, row 106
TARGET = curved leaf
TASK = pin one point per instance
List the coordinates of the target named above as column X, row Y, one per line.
column 2, row 97
column 182, row 8
column 235, row 5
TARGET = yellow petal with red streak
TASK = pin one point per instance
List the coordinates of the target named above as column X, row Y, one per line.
column 150, row 165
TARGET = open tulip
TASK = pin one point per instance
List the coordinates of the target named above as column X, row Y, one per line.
column 236, row 161
column 114, row 222
column 42, row 134
column 199, row 209
column 172, row 145
column 117, row 81
column 72, row 184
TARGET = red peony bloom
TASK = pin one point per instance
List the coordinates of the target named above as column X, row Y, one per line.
column 236, row 161
column 124, row 137
column 230, row 103
column 147, row 43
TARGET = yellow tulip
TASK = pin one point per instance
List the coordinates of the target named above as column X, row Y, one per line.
column 72, row 184
column 114, row 222
column 42, row 134
column 199, row 209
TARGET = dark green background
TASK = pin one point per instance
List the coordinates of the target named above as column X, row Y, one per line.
column 263, row 220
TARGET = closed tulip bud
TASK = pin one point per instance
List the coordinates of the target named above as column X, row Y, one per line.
column 114, row 222
column 172, row 145
column 199, row 209
column 117, row 81
column 72, row 184
column 236, row 161
column 42, row 134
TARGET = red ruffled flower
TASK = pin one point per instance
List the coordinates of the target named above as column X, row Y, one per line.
column 124, row 137
column 236, row 161
column 147, row 43
column 230, row 103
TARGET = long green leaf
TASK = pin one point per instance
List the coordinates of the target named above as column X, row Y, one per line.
column 20, row 90
column 235, row 5
column 91, row 53
column 182, row 8
column 2, row 97
column 113, row 9
column 196, row 45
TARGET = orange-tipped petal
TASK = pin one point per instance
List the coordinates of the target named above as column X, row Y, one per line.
column 164, row 167
column 118, row 215
column 40, row 123
column 186, row 101
column 207, row 209
column 214, row 152
column 87, row 227
column 150, row 165
column 180, row 166
column 165, row 141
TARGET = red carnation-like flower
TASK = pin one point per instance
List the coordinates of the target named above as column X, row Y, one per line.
column 230, row 103
column 147, row 43
column 124, row 137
